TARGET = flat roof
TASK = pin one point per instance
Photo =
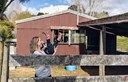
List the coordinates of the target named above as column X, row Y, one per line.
column 117, row 24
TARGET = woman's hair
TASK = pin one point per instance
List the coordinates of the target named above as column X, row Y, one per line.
column 33, row 44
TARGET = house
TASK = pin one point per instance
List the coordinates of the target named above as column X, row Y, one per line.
column 73, row 40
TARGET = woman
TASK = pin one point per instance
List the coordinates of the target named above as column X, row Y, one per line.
column 35, row 48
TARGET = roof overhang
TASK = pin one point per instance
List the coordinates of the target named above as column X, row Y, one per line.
column 116, row 24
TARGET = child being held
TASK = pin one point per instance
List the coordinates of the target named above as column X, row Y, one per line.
column 49, row 47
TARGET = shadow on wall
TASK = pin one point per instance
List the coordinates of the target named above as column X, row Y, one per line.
column 91, row 70
column 82, row 49
column 109, row 70
column 116, row 70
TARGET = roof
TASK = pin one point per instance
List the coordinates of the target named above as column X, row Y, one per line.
column 117, row 24
column 58, row 13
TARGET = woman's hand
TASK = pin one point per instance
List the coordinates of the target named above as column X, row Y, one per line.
column 43, row 45
column 55, row 49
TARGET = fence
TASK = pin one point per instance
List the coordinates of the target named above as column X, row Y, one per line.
column 82, row 60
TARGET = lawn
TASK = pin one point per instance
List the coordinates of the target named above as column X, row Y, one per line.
column 56, row 71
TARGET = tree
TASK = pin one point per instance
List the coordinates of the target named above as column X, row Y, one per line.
column 6, row 29
column 77, row 4
column 94, row 6
column 22, row 15
column 5, row 33
column 95, row 14
column 88, row 6
column 40, row 13
column 100, row 14
column 73, row 7
column 4, row 5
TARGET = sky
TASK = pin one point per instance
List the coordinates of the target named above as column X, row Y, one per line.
column 113, row 7
column 44, row 3
column 46, row 6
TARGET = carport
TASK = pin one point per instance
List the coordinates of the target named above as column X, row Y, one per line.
column 105, row 30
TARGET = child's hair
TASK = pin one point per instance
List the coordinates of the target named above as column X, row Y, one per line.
column 33, row 44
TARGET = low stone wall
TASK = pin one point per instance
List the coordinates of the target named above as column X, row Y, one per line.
column 74, row 79
column 83, row 60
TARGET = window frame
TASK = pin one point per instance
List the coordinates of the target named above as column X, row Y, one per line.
column 69, row 41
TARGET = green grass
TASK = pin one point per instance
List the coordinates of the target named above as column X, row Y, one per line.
column 60, row 71
column 122, row 43
column 24, row 72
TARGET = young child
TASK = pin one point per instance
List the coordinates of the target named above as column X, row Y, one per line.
column 49, row 46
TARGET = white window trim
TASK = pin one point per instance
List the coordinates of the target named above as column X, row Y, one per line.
column 69, row 37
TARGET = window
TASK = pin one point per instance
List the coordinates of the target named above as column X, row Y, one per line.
column 70, row 36
column 65, row 37
column 77, row 36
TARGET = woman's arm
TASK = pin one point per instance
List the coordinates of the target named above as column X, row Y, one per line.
column 55, row 49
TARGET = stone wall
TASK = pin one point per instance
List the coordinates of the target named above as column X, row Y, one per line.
column 82, row 60
column 74, row 79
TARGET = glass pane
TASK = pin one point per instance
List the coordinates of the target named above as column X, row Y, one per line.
column 64, row 38
column 73, row 36
column 82, row 36
column 55, row 34
column 66, row 34
column 77, row 39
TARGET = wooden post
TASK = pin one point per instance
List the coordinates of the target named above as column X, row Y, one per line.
column 1, row 57
column 101, row 70
column 5, row 69
column 77, row 19
column 102, row 49
column 85, row 41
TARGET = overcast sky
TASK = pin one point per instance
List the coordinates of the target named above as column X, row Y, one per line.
column 113, row 7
